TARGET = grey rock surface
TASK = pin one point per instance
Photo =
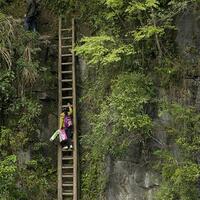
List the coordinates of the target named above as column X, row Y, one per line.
column 130, row 181
column 132, row 178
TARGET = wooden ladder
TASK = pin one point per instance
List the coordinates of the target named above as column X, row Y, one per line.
column 67, row 159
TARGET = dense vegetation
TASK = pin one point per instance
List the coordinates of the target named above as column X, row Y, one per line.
column 132, row 58
column 24, row 169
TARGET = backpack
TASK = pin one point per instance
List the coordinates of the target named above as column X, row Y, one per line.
column 67, row 121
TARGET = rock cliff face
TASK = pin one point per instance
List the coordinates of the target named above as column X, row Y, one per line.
column 46, row 89
column 133, row 178
column 131, row 181
column 47, row 92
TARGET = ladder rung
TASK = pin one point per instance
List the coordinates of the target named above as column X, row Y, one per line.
column 66, row 29
column 67, row 184
column 66, row 80
column 66, row 72
column 67, row 46
column 68, row 191
column 65, row 55
column 70, row 149
column 67, row 194
column 66, row 89
column 67, row 167
column 70, row 97
column 66, row 38
column 68, row 63
column 67, row 158
column 67, row 176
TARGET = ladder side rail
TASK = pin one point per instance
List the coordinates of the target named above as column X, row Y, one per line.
column 75, row 185
column 59, row 111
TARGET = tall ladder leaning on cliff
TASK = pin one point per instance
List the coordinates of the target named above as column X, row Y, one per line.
column 67, row 159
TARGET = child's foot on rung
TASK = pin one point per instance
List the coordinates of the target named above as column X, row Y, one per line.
column 66, row 147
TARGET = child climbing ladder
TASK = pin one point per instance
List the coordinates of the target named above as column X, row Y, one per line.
column 65, row 130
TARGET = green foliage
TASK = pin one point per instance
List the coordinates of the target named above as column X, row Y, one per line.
column 130, row 93
column 184, row 128
column 180, row 181
column 181, row 174
column 8, row 169
column 121, row 120
column 33, row 176
column 6, row 79
column 137, row 6
column 2, row 3
column 103, row 50
column 6, row 37
column 61, row 6
column 29, row 72
column 30, row 111
column 135, row 37
column 129, row 39
column 19, row 117
column 147, row 31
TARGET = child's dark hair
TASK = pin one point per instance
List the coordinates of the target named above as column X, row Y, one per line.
column 66, row 110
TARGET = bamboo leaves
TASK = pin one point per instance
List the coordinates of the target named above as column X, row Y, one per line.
column 6, row 37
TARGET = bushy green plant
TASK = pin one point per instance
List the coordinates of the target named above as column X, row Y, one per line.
column 2, row 3
column 61, row 7
column 181, row 173
column 121, row 120
column 103, row 50
column 19, row 118
column 6, row 80
column 136, row 37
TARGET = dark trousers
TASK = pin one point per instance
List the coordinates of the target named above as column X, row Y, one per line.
column 69, row 132
column 64, row 143
column 30, row 24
